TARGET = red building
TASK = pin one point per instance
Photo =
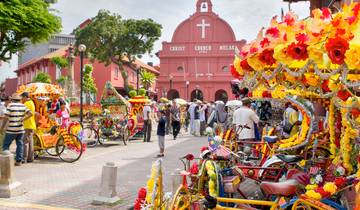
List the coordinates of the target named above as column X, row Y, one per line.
column 27, row 71
column 195, row 64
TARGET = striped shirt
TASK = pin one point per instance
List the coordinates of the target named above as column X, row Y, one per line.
column 16, row 114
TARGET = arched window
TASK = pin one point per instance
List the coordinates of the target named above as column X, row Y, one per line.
column 204, row 7
column 180, row 69
column 225, row 68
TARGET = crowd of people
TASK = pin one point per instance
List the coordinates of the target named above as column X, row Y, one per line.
column 196, row 116
column 19, row 120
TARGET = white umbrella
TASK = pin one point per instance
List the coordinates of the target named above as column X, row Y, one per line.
column 234, row 103
column 180, row 101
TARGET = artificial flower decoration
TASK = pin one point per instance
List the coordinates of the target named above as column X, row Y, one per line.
column 266, row 56
column 336, row 48
column 352, row 56
column 298, row 51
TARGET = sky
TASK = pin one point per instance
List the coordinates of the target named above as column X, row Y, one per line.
column 245, row 16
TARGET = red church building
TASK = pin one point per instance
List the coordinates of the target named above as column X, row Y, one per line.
column 195, row 64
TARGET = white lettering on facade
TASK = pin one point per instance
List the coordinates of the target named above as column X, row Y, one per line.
column 202, row 48
column 226, row 47
column 177, row 48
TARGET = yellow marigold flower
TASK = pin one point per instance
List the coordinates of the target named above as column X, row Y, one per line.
column 330, row 187
column 312, row 194
column 280, row 54
column 311, row 186
column 316, row 54
column 352, row 56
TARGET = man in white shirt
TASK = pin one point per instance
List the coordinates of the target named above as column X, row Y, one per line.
column 192, row 120
column 245, row 116
column 147, row 122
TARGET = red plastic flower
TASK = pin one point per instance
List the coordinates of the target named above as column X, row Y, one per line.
column 340, row 181
column 285, row 37
column 298, row 51
column 325, row 86
column 343, row 94
column 351, row 19
column 245, row 65
column 289, row 19
column 265, row 42
column 322, row 192
column 302, row 37
column 273, row 31
column 233, row 71
column 266, row 56
column 336, row 48
column 326, row 13
column 356, row 9
column 253, row 50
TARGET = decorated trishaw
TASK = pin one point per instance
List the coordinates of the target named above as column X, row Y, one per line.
column 64, row 142
column 112, row 125
column 313, row 65
column 136, row 120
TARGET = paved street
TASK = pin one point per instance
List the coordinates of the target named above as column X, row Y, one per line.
column 51, row 183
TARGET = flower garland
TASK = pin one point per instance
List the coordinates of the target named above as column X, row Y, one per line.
column 317, row 192
column 345, row 143
column 213, row 180
column 331, row 124
column 297, row 139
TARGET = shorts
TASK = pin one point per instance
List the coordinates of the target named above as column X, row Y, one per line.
column 161, row 142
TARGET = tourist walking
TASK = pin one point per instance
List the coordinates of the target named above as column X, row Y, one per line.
column 197, row 119
column 168, row 123
column 191, row 117
column 175, row 119
column 16, row 113
column 161, row 130
column 30, row 127
column 202, row 111
column 147, row 122
column 245, row 116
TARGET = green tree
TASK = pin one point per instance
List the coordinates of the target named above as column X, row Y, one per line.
column 60, row 62
column 111, row 39
column 89, row 85
column 23, row 21
column 61, row 81
column 42, row 77
column 147, row 79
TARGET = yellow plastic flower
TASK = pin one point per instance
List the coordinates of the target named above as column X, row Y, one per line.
column 312, row 79
column 280, row 54
column 255, row 63
column 311, row 186
column 312, row 194
column 237, row 65
column 330, row 187
column 352, row 56
column 316, row 54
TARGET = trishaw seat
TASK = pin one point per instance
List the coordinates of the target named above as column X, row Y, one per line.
column 271, row 139
column 285, row 188
column 289, row 158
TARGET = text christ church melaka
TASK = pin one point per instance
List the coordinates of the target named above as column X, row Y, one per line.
column 195, row 64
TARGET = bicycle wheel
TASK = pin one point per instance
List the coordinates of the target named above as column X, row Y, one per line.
column 69, row 148
column 90, row 136
column 181, row 200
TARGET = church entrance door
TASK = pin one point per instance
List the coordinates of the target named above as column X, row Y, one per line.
column 221, row 95
column 197, row 94
column 172, row 94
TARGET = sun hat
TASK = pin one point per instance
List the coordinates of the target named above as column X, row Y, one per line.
column 16, row 97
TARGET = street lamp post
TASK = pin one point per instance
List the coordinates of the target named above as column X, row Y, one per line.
column 171, row 81
column 187, row 90
column 137, row 79
column 81, row 49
